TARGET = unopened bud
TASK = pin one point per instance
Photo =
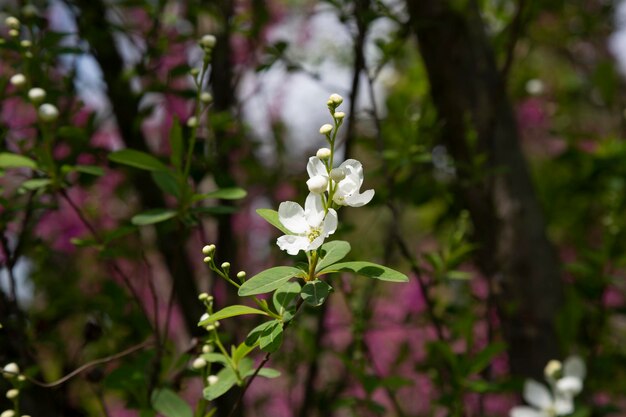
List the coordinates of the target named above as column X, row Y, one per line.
column 48, row 112
column 21, row 378
column 18, row 80
column 212, row 379
column 208, row 41
column 208, row 249
column 203, row 296
column 207, row 349
column 206, row 98
column 204, row 317
column 339, row 115
column 26, row 44
column 11, row 370
column 199, row 363
column 225, row 265
column 192, row 122
column 336, row 99
column 12, row 22
column 37, row 95
column 317, row 184
column 8, row 413
column 194, row 71
column 241, row 275
column 552, row 369
column 14, row 33
column 323, row 153
column 216, row 324
column 326, row 129
column 207, row 259
column 210, row 328
column 337, row 174
column 12, row 393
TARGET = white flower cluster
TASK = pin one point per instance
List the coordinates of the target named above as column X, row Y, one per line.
column 330, row 188
column 12, row 372
column 565, row 381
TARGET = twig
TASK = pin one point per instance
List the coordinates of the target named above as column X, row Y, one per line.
column 86, row 366
column 266, row 358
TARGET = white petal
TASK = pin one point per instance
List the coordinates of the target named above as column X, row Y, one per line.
column 537, row 394
column 291, row 215
column 574, row 366
column 313, row 210
column 344, row 189
column 358, row 200
column 330, row 223
column 292, row 244
column 563, row 405
column 569, row 385
column 315, row 166
column 354, row 171
column 523, row 411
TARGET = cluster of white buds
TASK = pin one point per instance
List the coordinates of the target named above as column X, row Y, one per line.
column 13, row 23
column 11, row 370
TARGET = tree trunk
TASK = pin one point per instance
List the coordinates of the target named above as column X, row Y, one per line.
column 477, row 119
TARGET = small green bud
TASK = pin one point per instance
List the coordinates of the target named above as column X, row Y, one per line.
column 208, row 41
column 12, row 22
column 326, row 129
column 203, row 296
column 208, row 249
column 192, row 122
column 210, row 328
column 337, row 174
column 226, row 265
column 207, row 259
column 194, row 71
column 339, row 115
column 14, row 33
column 206, row 98
column 552, row 369
column 207, row 349
column 241, row 275
column 26, row 44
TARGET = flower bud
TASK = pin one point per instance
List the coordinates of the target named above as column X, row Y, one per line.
column 241, row 275
column 326, row 129
column 208, row 41
column 552, row 369
column 21, row 378
column 18, row 80
column 8, row 413
column 225, row 265
column 212, row 379
column 207, row 349
column 12, row 22
column 48, row 112
column 210, row 328
column 336, row 99
column 199, row 363
column 207, row 259
column 206, row 98
column 204, row 317
column 317, row 184
column 216, row 324
column 10, row 370
column 192, row 121
column 194, row 71
column 337, row 174
column 12, row 393
column 203, row 296
column 26, row 44
column 208, row 249
column 323, row 153
column 14, row 33
column 339, row 115
column 37, row 95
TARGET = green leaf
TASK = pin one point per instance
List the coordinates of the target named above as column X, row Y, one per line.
column 167, row 182
column 153, row 216
column 253, row 337
column 284, row 296
column 314, row 293
column 176, row 144
column 332, row 252
column 35, row 184
column 169, row 404
column 272, row 337
column 12, row 160
column 226, row 378
column 233, row 193
column 241, row 352
column 268, row 280
column 271, row 216
column 137, row 159
column 368, row 269
column 213, row 357
column 88, row 169
column 484, row 357
column 231, row 311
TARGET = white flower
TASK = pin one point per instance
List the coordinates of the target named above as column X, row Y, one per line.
column 348, row 188
column 310, row 226
column 18, row 80
column 571, row 383
column 544, row 404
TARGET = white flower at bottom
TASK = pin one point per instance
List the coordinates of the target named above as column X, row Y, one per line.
column 544, row 404
column 309, row 225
